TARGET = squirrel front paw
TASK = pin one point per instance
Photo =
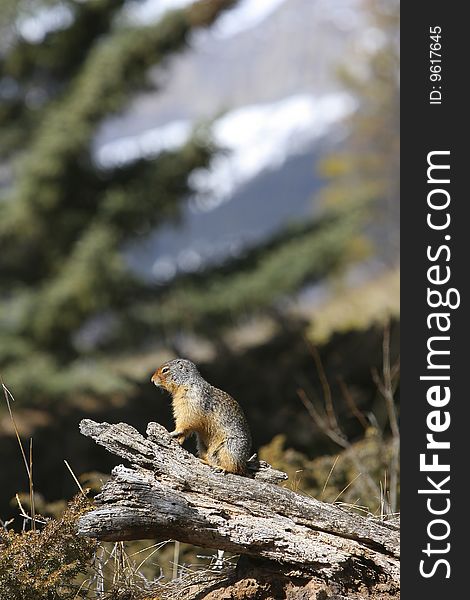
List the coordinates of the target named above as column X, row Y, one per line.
column 178, row 435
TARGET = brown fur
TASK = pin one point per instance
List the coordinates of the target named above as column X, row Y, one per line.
column 213, row 427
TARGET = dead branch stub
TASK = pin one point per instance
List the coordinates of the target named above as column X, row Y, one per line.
column 167, row 493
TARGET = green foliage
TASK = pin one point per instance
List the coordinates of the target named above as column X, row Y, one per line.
column 44, row 564
column 268, row 274
column 64, row 225
column 46, row 67
column 65, row 221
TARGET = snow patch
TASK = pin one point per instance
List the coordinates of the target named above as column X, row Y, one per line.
column 262, row 137
column 255, row 138
column 244, row 16
column 141, row 13
column 145, row 145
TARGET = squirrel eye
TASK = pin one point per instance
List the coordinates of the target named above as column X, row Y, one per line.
column 165, row 370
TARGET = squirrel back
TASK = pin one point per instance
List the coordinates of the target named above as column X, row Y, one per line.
column 222, row 432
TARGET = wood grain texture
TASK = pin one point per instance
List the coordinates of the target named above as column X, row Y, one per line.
column 167, row 493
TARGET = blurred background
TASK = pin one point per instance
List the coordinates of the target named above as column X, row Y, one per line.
column 216, row 180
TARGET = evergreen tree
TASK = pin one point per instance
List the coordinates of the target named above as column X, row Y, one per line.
column 64, row 221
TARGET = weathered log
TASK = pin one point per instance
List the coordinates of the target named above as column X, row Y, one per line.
column 167, row 493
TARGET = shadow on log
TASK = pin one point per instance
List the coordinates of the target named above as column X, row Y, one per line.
column 295, row 541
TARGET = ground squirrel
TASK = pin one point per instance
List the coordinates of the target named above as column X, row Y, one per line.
column 223, row 436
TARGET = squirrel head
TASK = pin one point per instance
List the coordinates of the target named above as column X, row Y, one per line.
column 174, row 373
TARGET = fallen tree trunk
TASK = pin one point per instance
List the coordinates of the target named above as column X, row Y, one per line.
column 167, row 493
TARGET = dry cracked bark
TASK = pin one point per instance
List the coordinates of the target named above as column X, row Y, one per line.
column 167, row 493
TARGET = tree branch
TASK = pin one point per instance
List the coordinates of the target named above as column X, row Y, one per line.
column 169, row 493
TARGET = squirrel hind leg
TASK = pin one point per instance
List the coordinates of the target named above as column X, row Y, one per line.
column 226, row 461
column 201, row 449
